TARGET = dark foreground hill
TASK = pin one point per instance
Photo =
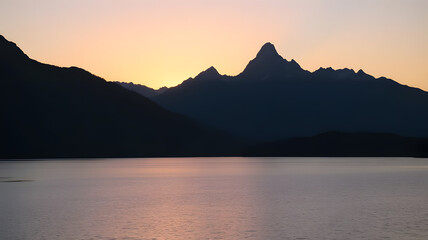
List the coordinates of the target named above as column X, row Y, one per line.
column 53, row 112
column 48, row 111
column 274, row 99
column 338, row 144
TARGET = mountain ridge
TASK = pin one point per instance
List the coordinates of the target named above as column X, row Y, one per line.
column 269, row 50
column 61, row 112
column 273, row 98
column 55, row 112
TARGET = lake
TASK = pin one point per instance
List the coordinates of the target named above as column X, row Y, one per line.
column 215, row 198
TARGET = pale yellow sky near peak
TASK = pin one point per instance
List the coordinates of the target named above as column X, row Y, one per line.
column 161, row 43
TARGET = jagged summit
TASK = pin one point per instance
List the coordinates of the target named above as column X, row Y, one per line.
column 212, row 70
column 267, row 50
column 340, row 74
column 268, row 64
column 210, row 73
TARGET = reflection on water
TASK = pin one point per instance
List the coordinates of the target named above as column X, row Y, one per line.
column 215, row 198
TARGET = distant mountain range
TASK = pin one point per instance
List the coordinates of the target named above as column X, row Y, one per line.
column 339, row 144
column 274, row 99
column 273, row 108
column 48, row 111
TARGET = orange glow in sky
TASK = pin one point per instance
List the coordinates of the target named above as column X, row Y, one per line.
column 161, row 43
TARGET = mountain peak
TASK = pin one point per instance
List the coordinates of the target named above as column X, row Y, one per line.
column 9, row 51
column 2, row 39
column 210, row 73
column 361, row 72
column 212, row 70
column 269, row 64
column 268, row 49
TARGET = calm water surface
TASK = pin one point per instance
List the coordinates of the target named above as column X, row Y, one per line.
column 215, row 198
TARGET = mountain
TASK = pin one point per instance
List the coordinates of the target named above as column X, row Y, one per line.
column 339, row 144
column 268, row 64
column 142, row 90
column 274, row 99
column 48, row 111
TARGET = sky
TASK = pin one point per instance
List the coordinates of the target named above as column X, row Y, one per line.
column 163, row 42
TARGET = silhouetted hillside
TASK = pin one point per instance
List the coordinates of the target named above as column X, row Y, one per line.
column 49, row 111
column 337, row 144
column 276, row 99
column 142, row 90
